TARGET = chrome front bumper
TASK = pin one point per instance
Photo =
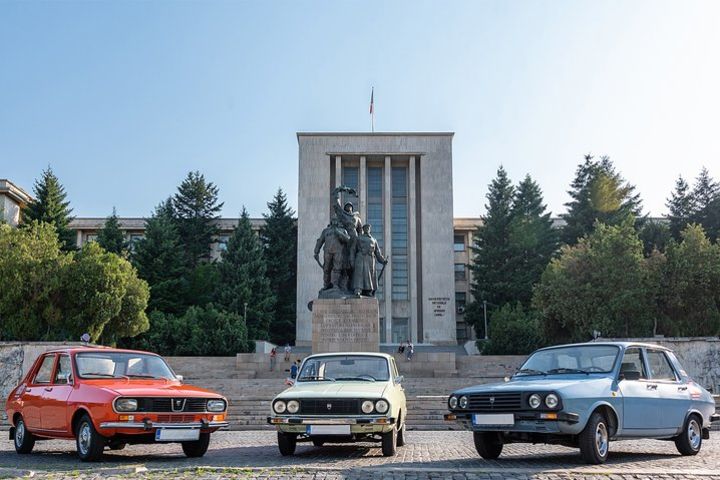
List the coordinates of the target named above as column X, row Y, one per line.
column 331, row 421
column 153, row 425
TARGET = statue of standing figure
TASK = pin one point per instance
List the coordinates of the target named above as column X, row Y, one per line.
column 349, row 251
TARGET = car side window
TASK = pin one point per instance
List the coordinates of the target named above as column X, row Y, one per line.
column 44, row 373
column 633, row 362
column 660, row 368
column 63, row 370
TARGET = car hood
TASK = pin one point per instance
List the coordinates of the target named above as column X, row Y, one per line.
column 158, row 389
column 335, row 390
column 555, row 383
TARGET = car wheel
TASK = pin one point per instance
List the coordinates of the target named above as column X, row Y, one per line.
column 287, row 443
column 318, row 443
column 594, row 440
column 489, row 445
column 401, row 436
column 197, row 448
column 389, row 443
column 690, row 439
column 90, row 444
column 24, row 440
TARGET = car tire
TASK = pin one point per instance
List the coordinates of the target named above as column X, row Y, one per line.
column 594, row 440
column 389, row 443
column 117, row 446
column 401, row 435
column 287, row 443
column 689, row 441
column 197, row 448
column 489, row 445
column 318, row 443
column 24, row 440
column 90, row 444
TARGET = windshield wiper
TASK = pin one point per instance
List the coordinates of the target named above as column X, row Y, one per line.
column 567, row 370
column 531, row 371
column 138, row 375
column 363, row 379
column 321, row 379
column 96, row 374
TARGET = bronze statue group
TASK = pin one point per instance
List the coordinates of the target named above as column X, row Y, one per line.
column 349, row 252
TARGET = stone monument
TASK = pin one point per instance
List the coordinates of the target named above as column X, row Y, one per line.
column 345, row 316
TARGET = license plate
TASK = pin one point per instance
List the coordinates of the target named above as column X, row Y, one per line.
column 176, row 434
column 328, row 429
column 493, row 419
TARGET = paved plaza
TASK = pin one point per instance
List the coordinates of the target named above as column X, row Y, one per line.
column 428, row 455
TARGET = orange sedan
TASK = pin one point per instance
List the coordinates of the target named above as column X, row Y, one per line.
column 107, row 397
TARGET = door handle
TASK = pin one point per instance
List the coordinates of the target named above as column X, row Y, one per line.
column 48, row 389
column 652, row 386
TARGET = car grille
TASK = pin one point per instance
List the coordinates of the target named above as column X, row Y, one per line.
column 495, row 402
column 166, row 404
column 175, row 418
column 329, row 407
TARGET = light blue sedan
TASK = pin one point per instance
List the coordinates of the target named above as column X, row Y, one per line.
column 584, row 396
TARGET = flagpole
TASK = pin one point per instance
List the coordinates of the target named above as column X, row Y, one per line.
column 372, row 110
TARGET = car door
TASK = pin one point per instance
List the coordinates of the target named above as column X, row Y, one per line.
column 54, row 411
column 32, row 396
column 399, row 390
column 673, row 394
column 639, row 395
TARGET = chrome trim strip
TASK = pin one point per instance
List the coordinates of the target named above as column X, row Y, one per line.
column 331, row 421
column 151, row 425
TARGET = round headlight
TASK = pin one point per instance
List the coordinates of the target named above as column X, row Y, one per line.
column 367, row 406
column 534, row 400
column 453, row 402
column 126, row 404
column 216, row 405
column 293, row 406
column 463, row 402
column 279, row 406
column 552, row 401
column 382, row 406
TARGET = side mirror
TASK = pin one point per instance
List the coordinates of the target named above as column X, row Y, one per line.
column 180, row 378
column 630, row 375
column 399, row 379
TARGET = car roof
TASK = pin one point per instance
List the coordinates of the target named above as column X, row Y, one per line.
column 621, row 344
column 365, row 354
column 95, row 348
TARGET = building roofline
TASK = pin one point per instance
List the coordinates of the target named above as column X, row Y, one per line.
column 14, row 192
column 375, row 134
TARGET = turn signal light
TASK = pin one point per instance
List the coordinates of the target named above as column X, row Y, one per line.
column 382, row 420
column 549, row 416
column 218, row 418
column 126, row 418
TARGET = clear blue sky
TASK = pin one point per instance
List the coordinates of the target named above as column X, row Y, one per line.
column 124, row 98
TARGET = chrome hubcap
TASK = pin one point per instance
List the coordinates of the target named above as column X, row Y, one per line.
column 693, row 433
column 601, row 439
column 84, row 438
column 20, row 433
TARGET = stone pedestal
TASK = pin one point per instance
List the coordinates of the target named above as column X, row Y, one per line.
column 345, row 325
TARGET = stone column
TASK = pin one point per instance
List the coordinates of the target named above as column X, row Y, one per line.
column 412, row 254
column 338, row 170
column 363, row 190
column 387, row 214
column 78, row 239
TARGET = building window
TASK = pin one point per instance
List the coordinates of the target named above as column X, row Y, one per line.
column 351, row 178
column 400, row 330
column 459, row 243
column 375, row 214
column 399, row 224
column 134, row 238
column 460, row 300
column 222, row 242
column 91, row 237
column 460, row 272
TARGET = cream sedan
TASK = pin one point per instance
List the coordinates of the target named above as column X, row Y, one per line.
column 342, row 397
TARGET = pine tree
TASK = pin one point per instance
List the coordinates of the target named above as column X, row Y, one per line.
column 244, row 285
column 681, row 208
column 533, row 241
column 159, row 260
column 279, row 240
column 110, row 237
column 196, row 209
column 50, row 206
column 491, row 249
column 706, row 203
column 599, row 193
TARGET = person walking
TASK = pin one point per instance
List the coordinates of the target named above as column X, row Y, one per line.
column 288, row 351
column 410, row 350
column 401, row 348
column 273, row 354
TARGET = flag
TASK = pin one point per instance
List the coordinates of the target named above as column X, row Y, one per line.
column 372, row 101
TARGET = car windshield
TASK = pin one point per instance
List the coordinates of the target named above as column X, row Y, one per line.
column 121, row 365
column 360, row 368
column 572, row 359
